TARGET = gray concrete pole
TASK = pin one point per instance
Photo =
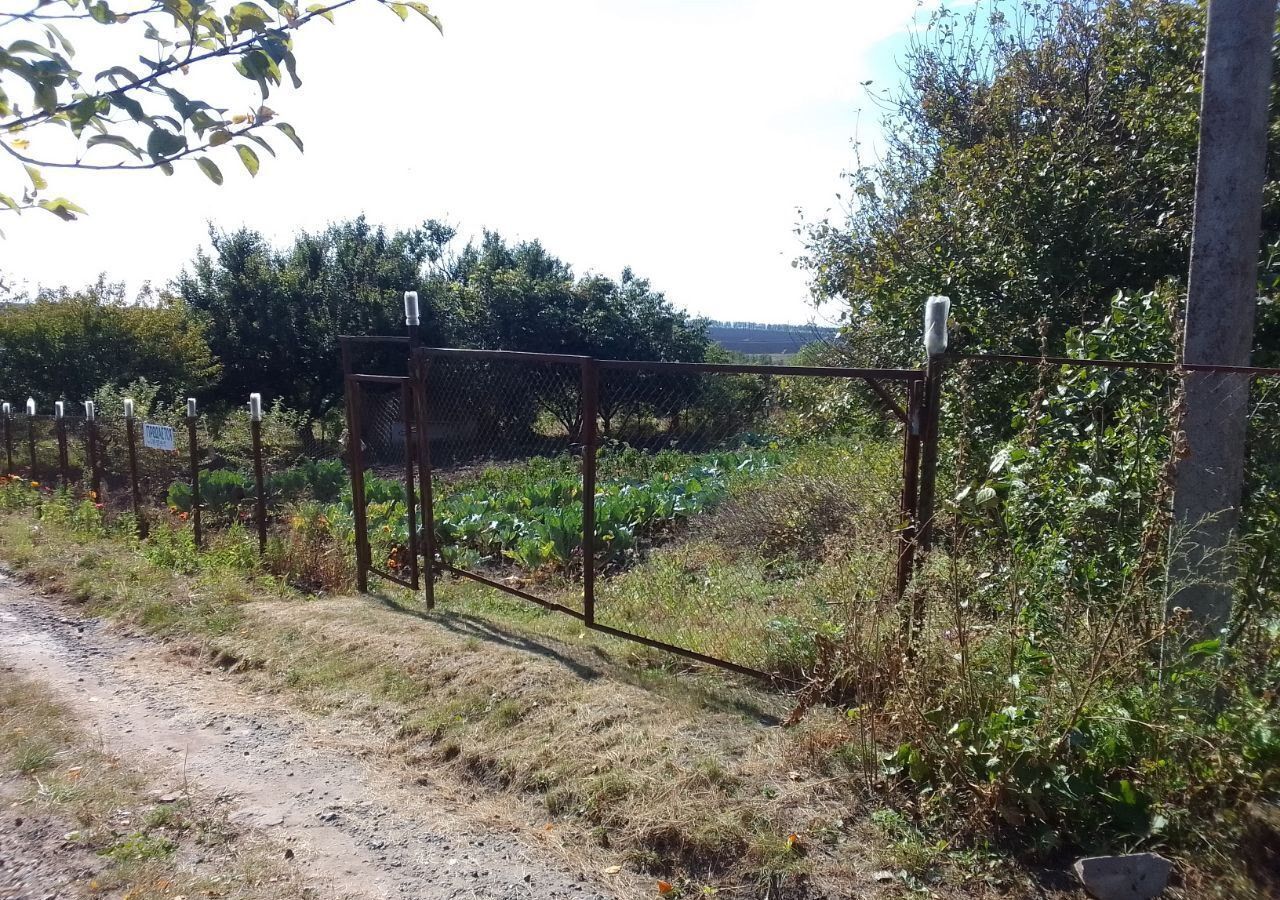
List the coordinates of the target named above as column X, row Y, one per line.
column 1221, row 296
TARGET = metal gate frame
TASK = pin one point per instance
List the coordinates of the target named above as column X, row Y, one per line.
column 919, row 416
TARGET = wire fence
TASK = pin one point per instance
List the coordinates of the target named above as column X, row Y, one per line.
column 195, row 469
column 1078, row 473
column 685, row 506
column 737, row 515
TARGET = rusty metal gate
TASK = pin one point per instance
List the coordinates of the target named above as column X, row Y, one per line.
column 434, row 427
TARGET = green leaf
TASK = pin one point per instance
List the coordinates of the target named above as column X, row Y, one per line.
column 400, row 10
column 321, row 10
column 115, row 140
column 6, row 200
column 422, row 10
column 1205, row 648
column 247, row 16
column 102, row 13
column 290, row 134
column 62, row 208
column 116, row 72
column 37, row 180
column 248, row 157
column 25, row 46
column 66, row 44
column 259, row 141
column 218, row 138
column 46, row 96
column 161, row 143
column 210, row 169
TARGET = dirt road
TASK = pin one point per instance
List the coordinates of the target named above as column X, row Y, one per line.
column 354, row 830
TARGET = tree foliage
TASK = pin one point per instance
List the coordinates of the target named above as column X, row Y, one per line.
column 1039, row 158
column 274, row 315
column 144, row 116
column 67, row 344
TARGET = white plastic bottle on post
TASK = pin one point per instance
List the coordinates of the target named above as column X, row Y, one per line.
column 936, row 310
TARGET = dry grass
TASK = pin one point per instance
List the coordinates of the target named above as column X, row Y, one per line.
column 679, row 776
column 91, row 811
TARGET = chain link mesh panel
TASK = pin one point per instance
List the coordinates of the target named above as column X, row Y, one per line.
column 729, row 508
column 738, row 515
column 505, row 444
column 390, row 493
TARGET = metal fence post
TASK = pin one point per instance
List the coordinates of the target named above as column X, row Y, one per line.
column 411, row 500
column 418, row 371
column 937, row 309
column 61, row 424
column 351, row 390
column 260, row 507
column 91, row 448
column 590, row 413
column 135, row 490
column 95, row 473
column 8, row 438
column 31, row 441
column 910, row 486
column 930, row 415
column 193, row 449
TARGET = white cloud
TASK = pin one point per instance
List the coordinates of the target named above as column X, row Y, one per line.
column 673, row 136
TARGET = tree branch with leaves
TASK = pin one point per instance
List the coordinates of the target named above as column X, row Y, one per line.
column 141, row 114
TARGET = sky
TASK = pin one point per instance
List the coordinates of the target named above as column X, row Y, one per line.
column 678, row 137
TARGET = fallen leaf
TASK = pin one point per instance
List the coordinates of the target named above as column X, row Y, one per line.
column 613, row 870
column 665, row 887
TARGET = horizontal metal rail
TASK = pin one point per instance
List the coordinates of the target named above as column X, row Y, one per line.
column 378, row 379
column 506, row 355
column 1110, row 364
column 523, row 595
column 749, row 369
column 373, row 339
column 688, row 654
column 390, row 577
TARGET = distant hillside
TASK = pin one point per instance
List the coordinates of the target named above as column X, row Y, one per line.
column 758, row 338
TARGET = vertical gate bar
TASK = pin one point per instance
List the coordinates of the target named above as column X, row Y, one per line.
column 356, row 462
column 910, row 487
column 931, row 414
column 31, row 446
column 63, row 467
column 193, row 450
column 590, row 412
column 8, row 438
column 419, row 368
column 260, row 507
column 135, row 489
column 411, row 501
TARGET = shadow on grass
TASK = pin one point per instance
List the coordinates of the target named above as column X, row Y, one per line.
column 721, row 696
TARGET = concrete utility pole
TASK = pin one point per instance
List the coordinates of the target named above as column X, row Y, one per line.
column 1221, row 296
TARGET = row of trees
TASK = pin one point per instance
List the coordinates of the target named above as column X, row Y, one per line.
column 247, row 315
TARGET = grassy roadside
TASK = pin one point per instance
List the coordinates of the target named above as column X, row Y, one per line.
column 685, row 781
column 85, row 817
